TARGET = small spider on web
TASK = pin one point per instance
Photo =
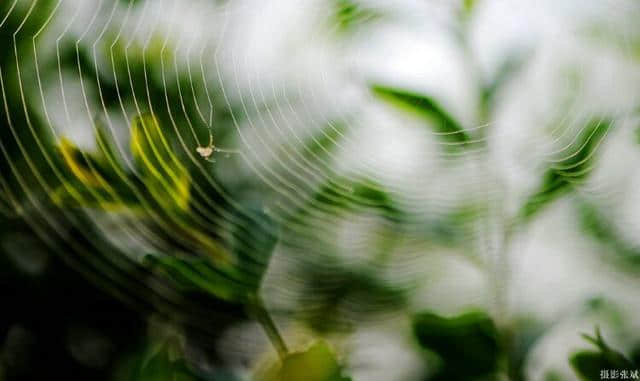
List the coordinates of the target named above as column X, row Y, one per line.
column 206, row 152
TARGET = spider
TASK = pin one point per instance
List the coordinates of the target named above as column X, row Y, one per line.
column 206, row 152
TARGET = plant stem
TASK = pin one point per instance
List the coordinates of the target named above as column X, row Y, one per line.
column 261, row 314
column 502, row 263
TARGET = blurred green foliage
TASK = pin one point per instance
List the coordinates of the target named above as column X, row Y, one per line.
column 589, row 364
column 206, row 245
column 349, row 14
column 338, row 297
column 571, row 170
column 317, row 363
column 596, row 225
column 453, row 134
column 468, row 345
column 239, row 283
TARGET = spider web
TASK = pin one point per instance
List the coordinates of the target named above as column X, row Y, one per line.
column 351, row 181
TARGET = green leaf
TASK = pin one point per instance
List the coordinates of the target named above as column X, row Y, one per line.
column 348, row 195
column 552, row 375
column 588, row 364
column 348, row 14
column 468, row 6
column 82, row 165
column 508, row 69
column 115, row 197
column 161, row 361
column 523, row 333
column 323, row 143
column 596, row 225
column 255, row 236
column 199, row 274
column 236, row 281
column 427, row 108
column 318, row 363
column 467, row 344
column 107, row 147
column 162, row 172
column 161, row 367
column 571, row 171
column 334, row 285
column 91, row 181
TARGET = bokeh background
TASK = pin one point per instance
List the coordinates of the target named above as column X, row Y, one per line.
column 319, row 190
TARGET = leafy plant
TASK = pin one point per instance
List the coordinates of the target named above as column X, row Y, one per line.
column 349, row 14
column 159, row 194
column 317, row 363
column 345, row 296
column 589, row 364
column 467, row 345
column 571, row 170
column 427, row 108
column 596, row 225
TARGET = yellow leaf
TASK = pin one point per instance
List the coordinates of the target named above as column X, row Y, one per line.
column 166, row 178
column 78, row 164
column 318, row 363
